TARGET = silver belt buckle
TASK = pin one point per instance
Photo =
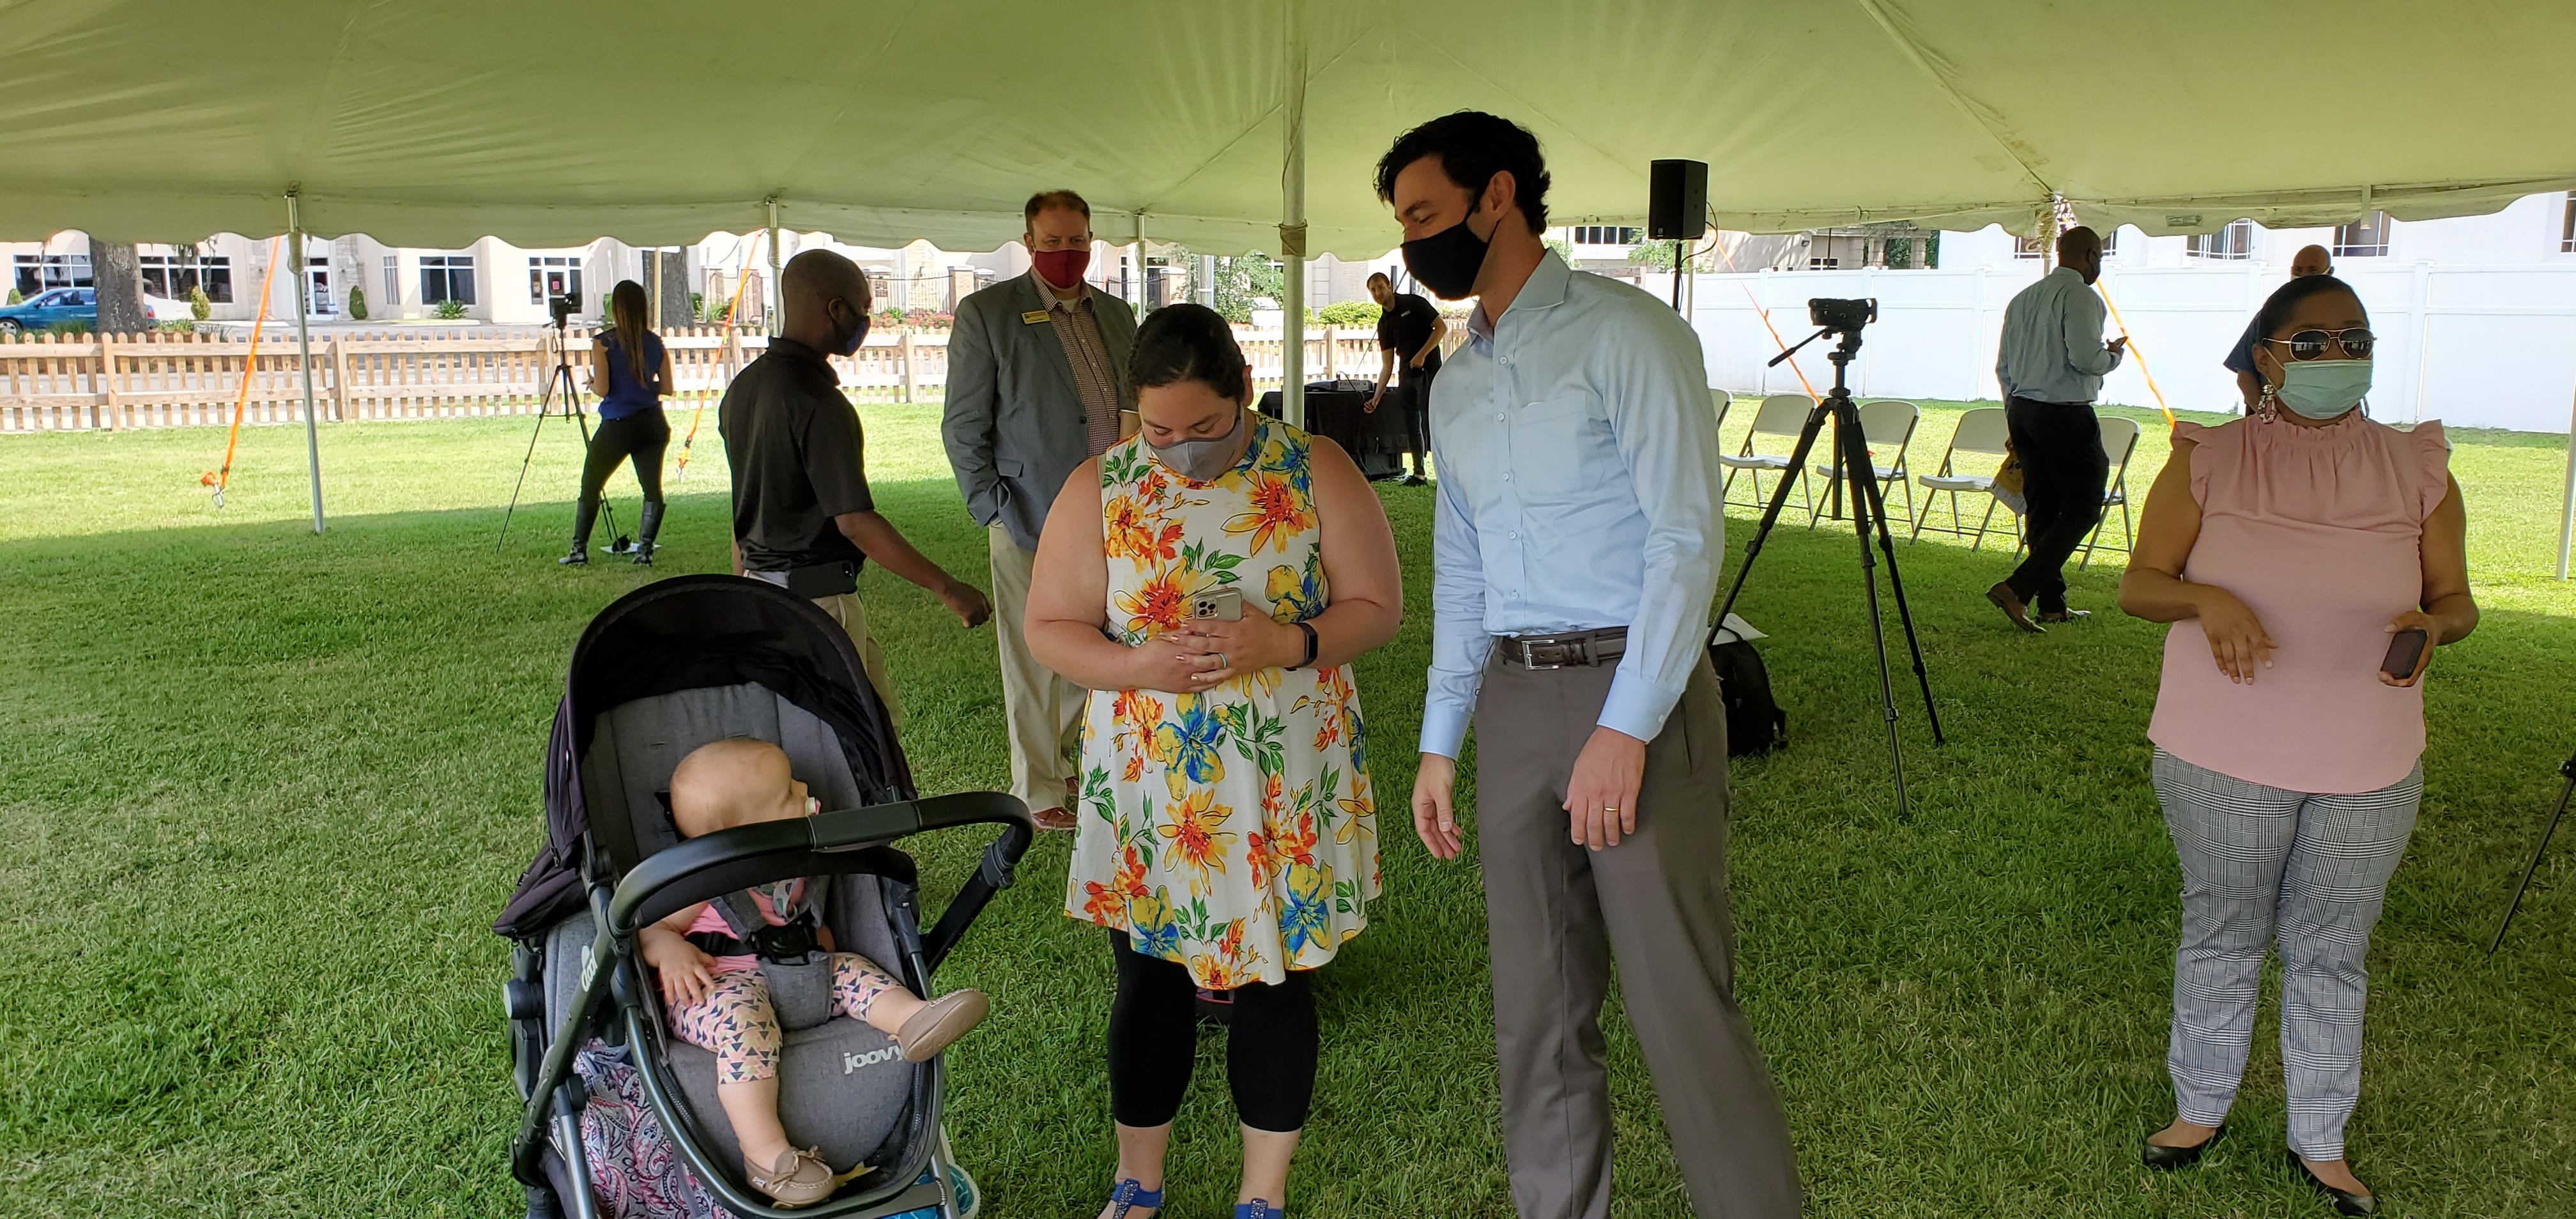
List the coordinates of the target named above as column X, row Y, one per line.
column 1562, row 651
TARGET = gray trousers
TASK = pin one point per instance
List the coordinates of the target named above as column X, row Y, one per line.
column 1555, row 913
column 2260, row 864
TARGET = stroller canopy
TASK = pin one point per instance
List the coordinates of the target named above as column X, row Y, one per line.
column 690, row 633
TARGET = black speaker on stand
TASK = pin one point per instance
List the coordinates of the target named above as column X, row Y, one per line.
column 1677, row 210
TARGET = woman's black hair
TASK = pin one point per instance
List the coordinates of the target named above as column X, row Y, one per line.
column 2285, row 299
column 1187, row 342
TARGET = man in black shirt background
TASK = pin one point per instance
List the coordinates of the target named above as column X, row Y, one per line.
column 1408, row 330
column 802, row 514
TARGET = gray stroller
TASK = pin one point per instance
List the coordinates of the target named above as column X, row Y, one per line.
column 664, row 669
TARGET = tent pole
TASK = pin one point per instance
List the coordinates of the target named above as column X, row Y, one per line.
column 1292, row 223
column 777, row 292
column 304, row 351
column 2567, row 503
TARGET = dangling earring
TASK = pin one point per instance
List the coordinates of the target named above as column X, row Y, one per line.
column 2268, row 408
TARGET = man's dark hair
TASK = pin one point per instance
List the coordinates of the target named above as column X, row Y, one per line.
column 1186, row 342
column 1473, row 146
column 1045, row 199
column 1381, row 277
column 2285, row 300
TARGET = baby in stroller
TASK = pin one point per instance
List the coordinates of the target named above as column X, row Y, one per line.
column 717, row 995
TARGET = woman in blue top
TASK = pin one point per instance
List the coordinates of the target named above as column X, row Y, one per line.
column 630, row 372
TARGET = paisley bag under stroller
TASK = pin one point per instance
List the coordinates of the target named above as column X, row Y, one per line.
column 667, row 668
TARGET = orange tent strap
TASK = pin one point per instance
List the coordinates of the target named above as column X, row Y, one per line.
column 2140, row 356
column 250, row 368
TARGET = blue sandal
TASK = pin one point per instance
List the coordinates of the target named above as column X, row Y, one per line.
column 1258, row 1208
column 1130, row 1194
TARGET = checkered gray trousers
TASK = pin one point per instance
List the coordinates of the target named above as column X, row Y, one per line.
column 2260, row 864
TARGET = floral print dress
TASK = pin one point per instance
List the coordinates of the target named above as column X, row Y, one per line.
column 1232, row 831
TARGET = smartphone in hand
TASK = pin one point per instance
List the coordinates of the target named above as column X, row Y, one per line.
column 1220, row 604
column 2404, row 650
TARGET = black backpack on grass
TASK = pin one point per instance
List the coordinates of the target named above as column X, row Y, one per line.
column 1754, row 723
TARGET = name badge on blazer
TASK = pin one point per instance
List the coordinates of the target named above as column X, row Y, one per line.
column 1034, row 317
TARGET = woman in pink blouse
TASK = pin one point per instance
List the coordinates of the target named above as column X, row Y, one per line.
column 2294, row 551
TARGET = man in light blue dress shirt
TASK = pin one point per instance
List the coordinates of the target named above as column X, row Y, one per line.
column 1576, row 549
column 2051, row 362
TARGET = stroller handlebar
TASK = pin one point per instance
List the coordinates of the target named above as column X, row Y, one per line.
column 834, row 830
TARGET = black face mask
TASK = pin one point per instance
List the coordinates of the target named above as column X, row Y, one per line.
column 1448, row 261
column 850, row 346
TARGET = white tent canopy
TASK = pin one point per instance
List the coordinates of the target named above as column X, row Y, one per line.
column 1252, row 124
column 657, row 122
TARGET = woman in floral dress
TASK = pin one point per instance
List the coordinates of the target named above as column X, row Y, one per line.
column 1228, row 834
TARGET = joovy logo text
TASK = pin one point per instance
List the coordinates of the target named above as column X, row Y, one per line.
column 852, row 1062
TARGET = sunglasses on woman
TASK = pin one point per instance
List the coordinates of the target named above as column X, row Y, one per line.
column 2311, row 344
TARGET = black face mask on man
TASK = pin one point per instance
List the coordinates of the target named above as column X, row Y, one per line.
column 850, row 346
column 1447, row 262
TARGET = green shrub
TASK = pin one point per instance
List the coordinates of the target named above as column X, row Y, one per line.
column 200, row 308
column 68, row 327
column 1348, row 313
column 357, row 304
column 16, row 297
column 697, row 304
column 450, row 310
column 181, row 326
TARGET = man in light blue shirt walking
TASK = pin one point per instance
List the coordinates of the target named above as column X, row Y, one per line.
column 2051, row 363
column 1576, row 548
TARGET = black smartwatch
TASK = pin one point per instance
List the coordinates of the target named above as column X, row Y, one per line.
column 1312, row 642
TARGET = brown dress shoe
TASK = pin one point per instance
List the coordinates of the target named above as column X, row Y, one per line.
column 1056, row 819
column 2009, row 602
column 800, row 1178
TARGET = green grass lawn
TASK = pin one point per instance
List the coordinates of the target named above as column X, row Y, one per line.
column 261, row 793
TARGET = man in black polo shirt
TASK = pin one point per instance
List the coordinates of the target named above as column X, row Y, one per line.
column 802, row 515
column 1408, row 330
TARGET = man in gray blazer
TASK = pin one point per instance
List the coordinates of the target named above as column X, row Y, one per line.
column 1037, row 380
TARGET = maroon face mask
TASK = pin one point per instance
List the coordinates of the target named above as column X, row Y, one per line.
column 1063, row 268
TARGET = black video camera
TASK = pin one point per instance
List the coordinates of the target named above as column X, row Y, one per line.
column 1841, row 316
column 563, row 305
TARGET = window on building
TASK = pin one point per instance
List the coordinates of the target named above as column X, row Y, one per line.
column 2234, row 241
column 446, row 277
column 1606, row 234
column 37, row 272
column 553, row 277
column 393, row 282
column 176, row 275
column 1823, row 264
column 2364, row 239
column 2026, row 247
column 2567, row 235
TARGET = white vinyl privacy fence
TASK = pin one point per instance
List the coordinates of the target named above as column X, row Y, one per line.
column 2471, row 346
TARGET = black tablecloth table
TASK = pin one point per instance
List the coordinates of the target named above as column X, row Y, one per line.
column 1378, row 442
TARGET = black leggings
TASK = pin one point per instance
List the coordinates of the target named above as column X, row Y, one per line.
column 1153, row 1038
column 642, row 436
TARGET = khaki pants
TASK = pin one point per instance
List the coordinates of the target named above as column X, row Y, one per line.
column 1556, row 913
column 1044, row 711
column 853, row 617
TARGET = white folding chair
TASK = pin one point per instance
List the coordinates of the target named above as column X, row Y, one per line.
column 1721, row 400
column 1886, row 426
column 1981, row 433
column 2119, row 442
column 1779, row 415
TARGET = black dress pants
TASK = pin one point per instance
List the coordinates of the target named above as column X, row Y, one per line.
column 1417, row 408
column 2063, row 472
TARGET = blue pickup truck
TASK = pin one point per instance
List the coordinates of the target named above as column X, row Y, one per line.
column 53, row 306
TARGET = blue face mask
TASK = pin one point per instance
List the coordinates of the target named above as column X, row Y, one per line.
column 2323, row 389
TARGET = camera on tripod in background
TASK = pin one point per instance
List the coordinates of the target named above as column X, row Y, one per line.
column 1841, row 316
column 562, row 305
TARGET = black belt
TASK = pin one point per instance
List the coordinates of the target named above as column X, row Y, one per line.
column 1558, row 651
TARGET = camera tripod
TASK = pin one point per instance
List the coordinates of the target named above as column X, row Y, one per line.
column 2567, row 768
column 1852, row 463
column 560, row 380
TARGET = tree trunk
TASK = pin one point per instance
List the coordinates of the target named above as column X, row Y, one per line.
column 674, row 286
column 118, row 277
